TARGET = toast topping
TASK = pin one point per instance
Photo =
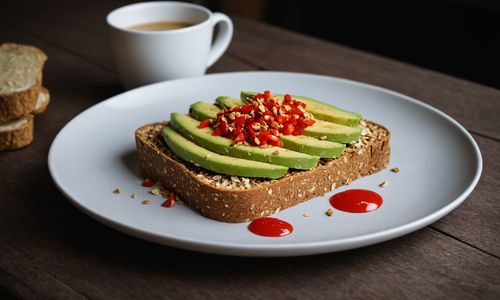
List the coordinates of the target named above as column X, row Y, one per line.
column 222, row 181
column 261, row 120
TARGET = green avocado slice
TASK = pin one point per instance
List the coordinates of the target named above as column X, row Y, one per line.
column 201, row 110
column 333, row 132
column 307, row 145
column 225, row 102
column 320, row 110
column 188, row 127
column 312, row 146
column 189, row 151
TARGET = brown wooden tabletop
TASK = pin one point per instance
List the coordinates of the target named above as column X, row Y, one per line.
column 50, row 250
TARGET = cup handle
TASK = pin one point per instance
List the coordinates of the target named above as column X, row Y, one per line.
column 223, row 37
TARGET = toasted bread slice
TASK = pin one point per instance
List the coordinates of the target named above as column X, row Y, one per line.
column 20, row 80
column 42, row 102
column 17, row 133
column 236, row 199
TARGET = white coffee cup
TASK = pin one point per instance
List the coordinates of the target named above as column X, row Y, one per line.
column 144, row 57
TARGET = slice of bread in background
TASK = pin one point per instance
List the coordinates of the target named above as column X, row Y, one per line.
column 237, row 199
column 17, row 133
column 21, row 69
column 42, row 101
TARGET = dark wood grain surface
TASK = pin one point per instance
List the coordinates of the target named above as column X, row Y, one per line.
column 50, row 250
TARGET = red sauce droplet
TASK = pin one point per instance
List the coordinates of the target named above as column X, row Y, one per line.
column 356, row 201
column 148, row 182
column 270, row 227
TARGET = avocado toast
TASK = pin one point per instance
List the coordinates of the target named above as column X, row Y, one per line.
column 231, row 180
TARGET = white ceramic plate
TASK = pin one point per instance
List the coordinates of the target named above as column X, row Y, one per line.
column 94, row 153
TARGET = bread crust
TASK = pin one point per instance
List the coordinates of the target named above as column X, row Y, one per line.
column 22, row 103
column 268, row 196
column 18, row 138
column 45, row 103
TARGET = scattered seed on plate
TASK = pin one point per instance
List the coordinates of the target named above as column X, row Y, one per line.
column 307, row 215
column 384, row 184
column 146, row 202
column 116, row 191
column 133, row 195
column 329, row 212
column 155, row 191
column 395, row 170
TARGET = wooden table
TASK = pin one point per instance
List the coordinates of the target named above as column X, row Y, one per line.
column 50, row 250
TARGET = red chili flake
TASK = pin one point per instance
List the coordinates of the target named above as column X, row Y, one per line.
column 170, row 201
column 148, row 182
column 261, row 120
column 204, row 123
column 239, row 138
column 217, row 131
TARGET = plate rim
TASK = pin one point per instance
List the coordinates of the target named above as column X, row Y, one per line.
column 283, row 249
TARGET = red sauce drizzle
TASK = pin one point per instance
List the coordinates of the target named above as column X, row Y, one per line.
column 270, row 227
column 356, row 201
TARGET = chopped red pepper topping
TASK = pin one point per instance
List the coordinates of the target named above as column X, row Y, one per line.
column 148, row 182
column 170, row 201
column 204, row 123
column 262, row 119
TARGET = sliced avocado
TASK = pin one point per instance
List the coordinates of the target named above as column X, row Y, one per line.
column 188, row 127
column 202, row 110
column 321, row 110
column 226, row 102
column 330, row 113
column 244, row 95
column 333, row 132
column 189, row 151
column 312, row 146
column 305, row 145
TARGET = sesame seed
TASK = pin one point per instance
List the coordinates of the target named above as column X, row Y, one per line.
column 395, row 170
column 116, row 191
column 155, row 191
column 146, row 202
column 384, row 184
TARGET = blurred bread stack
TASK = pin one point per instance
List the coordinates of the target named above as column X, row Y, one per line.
column 21, row 93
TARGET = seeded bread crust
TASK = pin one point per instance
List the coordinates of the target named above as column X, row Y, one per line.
column 18, row 138
column 258, row 197
column 18, row 104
